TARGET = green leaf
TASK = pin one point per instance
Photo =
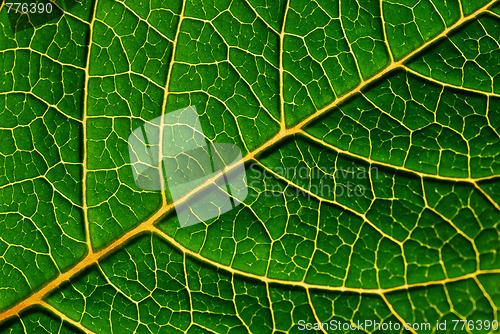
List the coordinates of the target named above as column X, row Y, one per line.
column 370, row 133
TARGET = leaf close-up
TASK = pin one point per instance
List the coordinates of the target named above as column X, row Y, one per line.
column 368, row 140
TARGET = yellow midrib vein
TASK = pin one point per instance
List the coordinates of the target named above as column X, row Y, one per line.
column 148, row 225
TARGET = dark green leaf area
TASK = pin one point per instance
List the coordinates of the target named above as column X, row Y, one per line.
column 38, row 320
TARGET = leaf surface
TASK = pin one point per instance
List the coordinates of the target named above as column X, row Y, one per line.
column 394, row 103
